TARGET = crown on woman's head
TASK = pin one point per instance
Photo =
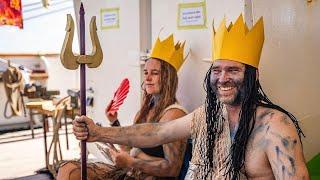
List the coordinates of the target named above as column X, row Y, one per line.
column 167, row 51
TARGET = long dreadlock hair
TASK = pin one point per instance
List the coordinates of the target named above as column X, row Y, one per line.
column 254, row 96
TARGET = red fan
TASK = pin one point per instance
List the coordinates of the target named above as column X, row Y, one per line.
column 119, row 96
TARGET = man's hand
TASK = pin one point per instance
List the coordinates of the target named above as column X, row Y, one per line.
column 85, row 129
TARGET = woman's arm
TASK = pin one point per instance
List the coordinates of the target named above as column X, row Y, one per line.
column 124, row 147
column 170, row 165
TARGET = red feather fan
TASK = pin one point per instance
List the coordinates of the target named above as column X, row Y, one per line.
column 119, row 96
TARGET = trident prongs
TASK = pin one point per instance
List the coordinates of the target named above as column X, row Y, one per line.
column 71, row 61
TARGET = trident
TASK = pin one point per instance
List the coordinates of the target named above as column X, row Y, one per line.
column 71, row 61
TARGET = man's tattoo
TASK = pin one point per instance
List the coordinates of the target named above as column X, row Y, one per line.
column 266, row 113
column 287, row 142
column 285, row 120
column 135, row 136
column 286, row 168
column 285, row 161
column 260, row 128
column 262, row 124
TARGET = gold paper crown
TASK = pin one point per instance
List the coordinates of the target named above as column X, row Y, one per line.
column 167, row 51
column 237, row 43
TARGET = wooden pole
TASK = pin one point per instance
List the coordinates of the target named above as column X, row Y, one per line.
column 83, row 92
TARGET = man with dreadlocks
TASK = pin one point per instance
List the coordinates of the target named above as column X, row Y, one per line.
column 238, row 133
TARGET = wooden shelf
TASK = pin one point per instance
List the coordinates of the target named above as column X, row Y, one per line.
column 39, row 76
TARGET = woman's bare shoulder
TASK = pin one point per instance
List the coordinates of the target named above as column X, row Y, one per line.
column 172, row 114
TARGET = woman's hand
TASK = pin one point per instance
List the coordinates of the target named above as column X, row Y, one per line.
column 111, row 117
column 120, row 158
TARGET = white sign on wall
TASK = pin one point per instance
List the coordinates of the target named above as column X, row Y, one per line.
column 109, row 18
column 192, row 15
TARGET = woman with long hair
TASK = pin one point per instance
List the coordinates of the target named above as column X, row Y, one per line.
column 159, row 105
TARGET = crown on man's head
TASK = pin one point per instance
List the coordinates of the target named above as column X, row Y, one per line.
column 167, row 51
column 238, row 43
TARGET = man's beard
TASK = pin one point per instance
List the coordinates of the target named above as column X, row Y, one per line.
column 236, row 99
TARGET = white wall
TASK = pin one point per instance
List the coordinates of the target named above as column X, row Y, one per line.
column 191, row 75
column 60, row 78
column 290, row 63
column 117, row 45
